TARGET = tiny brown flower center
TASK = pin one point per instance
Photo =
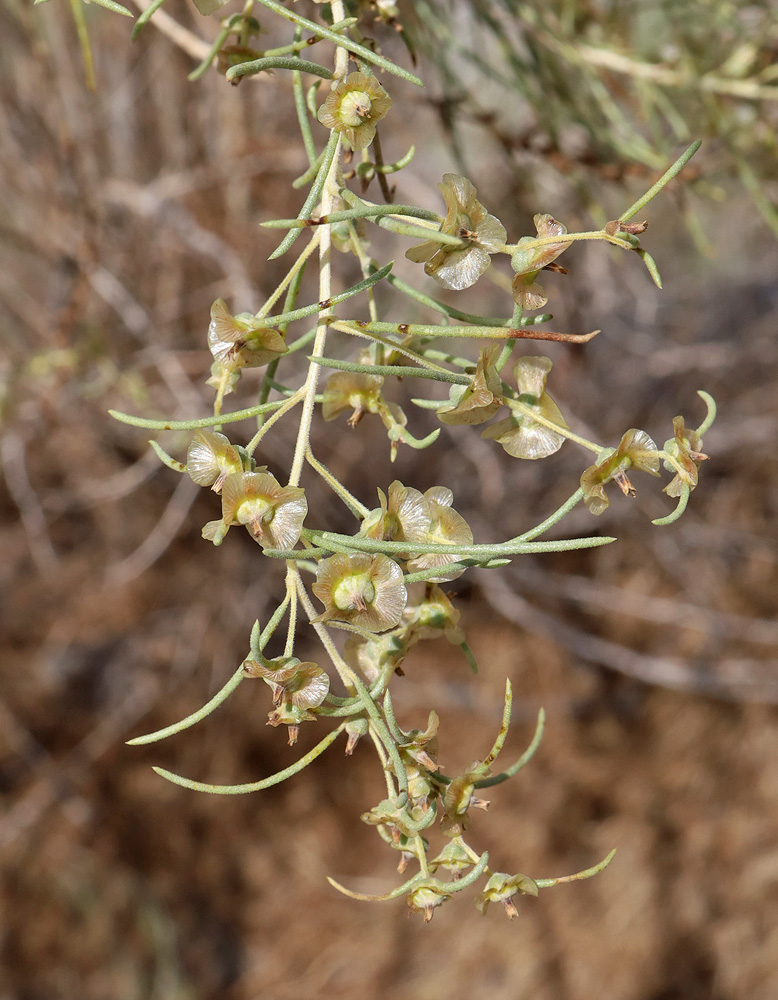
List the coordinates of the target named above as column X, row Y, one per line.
column 354, row 593
column 256, row 510
column 355, row 108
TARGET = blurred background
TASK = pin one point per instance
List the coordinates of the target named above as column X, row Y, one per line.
column 123, row 214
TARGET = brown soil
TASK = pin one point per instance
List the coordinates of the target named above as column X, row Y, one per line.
column 126, row 214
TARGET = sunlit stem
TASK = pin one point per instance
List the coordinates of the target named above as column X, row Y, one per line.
column 420, row 879
column 546, row 883
column 419, row 232
column 255, row 786
column 552, row 519
column 665, row 179
column 286, row 406
column 357, row 509
column 650, row 263
column 344, row 44
column 277, row 62
column 401, row 890
column 538, row 418
column 506, row 721
column 308, row 175
column 291, row 591
column 505, row 353
column 392, row 168
column 290, row 275
column 531, row 243
column 325, row 290
column 269, row 630
column 354, row 683
column 289, row 302
column 441, row 307
column 476, row 331
column 288, row 316
column 145, row 17
column 223, row 383
column 344, row 326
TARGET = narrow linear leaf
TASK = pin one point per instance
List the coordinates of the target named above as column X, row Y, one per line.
column 275, row 62
column 344, row 43
column 255, row 786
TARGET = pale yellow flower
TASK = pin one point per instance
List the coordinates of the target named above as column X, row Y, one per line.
column 466, row 217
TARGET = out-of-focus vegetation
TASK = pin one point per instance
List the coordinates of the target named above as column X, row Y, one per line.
column 603, row 89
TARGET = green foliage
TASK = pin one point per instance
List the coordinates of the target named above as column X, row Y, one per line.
column 606, row 83
column 380, row 584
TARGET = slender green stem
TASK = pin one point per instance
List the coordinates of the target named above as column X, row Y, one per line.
column 290, row 276
column 710, row 416
column 328, row 188
column 144, row 17
column 357, row 509
column 292, row 624
column 529, row 753
column 351, row 214
column 294, row 63
column 683, row 500
column 552, row 519
column 499, row 742
column 291, row 298
column 204, row 66
column 166, row 459
column 195, row 717
column 391, row 721
column 308, row 175
column 516, row 546
column 190, row 425
column 77, row 9
column 286, row 406
column 340, row 41
column 302, row 111
column 351, row 680
column 665, row 179
column 475, row 331
column 358, row 329
column 329, row 157
column 397, row 370
column 303, row 311
column 545, row 883
column 538, row 418
column 255, row 786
